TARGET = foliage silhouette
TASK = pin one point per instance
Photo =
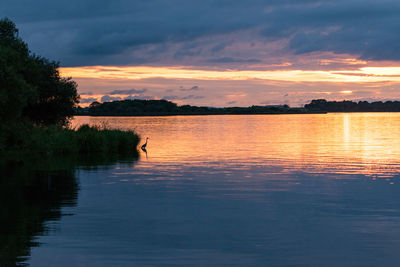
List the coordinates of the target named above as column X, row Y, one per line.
column 163, row 107
column 138, row 107
column 31, row 86
column 86, row 139
column 56, row 97
column 33, row 96
column 350, row 106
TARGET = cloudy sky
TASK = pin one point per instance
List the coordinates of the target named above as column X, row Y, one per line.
column 218, row 52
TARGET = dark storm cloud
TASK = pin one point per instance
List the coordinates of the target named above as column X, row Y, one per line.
column 366, row 28
column 128, row 92
column 232, row 60
column 219, row 47
column 110, row 32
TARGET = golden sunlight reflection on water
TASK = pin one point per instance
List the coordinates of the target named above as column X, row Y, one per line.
column 357, row 143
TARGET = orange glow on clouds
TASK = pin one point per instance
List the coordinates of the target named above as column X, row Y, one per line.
column 346, row 61
column 361, row 75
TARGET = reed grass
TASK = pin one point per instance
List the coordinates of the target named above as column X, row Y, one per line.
column 83, row 140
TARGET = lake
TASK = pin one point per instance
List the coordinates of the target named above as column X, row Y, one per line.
column 233, row 190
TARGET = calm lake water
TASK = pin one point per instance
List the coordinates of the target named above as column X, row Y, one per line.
column 257, row 190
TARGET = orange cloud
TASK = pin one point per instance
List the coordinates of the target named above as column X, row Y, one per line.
column 361, row 75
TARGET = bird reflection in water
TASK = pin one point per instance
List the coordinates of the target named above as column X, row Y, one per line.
column 145, row 151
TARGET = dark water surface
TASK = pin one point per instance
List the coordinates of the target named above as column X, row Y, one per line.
column 301, row 190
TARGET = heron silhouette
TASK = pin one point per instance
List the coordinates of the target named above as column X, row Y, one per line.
column 143, row 147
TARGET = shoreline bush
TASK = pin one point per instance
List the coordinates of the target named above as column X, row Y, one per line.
column 56, row 140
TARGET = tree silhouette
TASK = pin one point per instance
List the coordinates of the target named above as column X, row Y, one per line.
column 31, row 88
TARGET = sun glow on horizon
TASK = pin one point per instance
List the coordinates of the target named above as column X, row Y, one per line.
column 361, row 75
column 236, row 87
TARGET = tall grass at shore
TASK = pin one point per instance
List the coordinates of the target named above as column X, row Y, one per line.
column 83, row 140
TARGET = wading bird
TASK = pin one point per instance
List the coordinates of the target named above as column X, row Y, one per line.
column 143, row 147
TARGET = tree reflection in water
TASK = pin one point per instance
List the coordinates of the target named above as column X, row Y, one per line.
column 33, row 192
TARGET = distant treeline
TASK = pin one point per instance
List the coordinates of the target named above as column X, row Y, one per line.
column 138, row 107
column 163, row 107
column 322, row 105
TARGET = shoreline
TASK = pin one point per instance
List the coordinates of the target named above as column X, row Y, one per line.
column 172, row 115
column 227, row 114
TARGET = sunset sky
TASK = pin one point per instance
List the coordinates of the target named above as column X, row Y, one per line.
column 218, row 53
